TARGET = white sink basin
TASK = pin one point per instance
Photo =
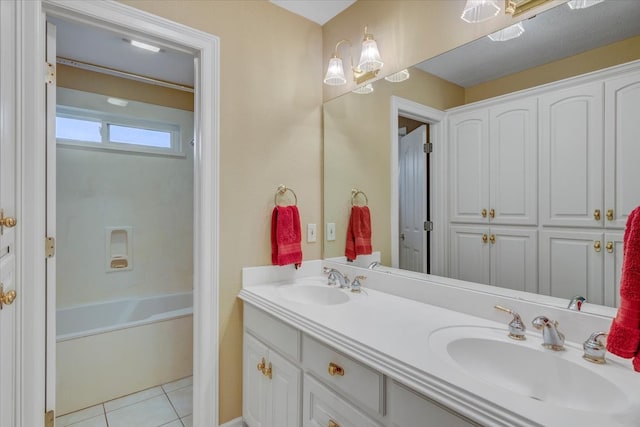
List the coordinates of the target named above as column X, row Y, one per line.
column 313, row 294
column 561, row 379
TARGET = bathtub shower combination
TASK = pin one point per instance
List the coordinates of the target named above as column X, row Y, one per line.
column 110, row 349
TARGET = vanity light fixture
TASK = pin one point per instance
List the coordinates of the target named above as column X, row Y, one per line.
column 511, row 32
column 398, row 77
column 145, row 46
column 363, row 90
column 479, row 10
column 368, row 67
column 582, row 4
column 117, row 101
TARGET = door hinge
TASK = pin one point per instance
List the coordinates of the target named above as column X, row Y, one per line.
column 50, row 74
column 49, row 247
column 428, row 226
column 428, row 147
column 49, row 417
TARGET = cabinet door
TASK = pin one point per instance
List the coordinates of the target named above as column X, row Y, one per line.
column 571, row 264
column 571, row 147
column 622, row 148
column 254, row 392
column 283, row 400
column 469, row 253
column 612, row 267
column 514, row 258
column 469, row 166
column 513, row 162
column 409, row 409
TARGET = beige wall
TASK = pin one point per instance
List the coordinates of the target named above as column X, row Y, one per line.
column 356, row 152
column 596, row 59
column 270, row 134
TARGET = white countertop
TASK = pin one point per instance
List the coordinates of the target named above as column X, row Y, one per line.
column 391, row 334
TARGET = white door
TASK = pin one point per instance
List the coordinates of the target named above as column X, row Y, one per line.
column 513, row 163
column 8, row 317
column 514, row 258
column 612, row 267
column 254, row 401
column 571, row 263
column 470, row 253
column 469, row 166
column 622, row 148
column 571, row 172
column 283, row 401
column 412, row 194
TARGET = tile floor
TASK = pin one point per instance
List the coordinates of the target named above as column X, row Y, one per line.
column 168, row 405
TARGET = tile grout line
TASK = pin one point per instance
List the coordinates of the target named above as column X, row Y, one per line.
column 172, row 407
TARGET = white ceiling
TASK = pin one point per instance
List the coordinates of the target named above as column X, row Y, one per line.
column 318, row 11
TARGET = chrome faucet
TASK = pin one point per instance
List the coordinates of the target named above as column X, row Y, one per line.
column 551, row 337
column 516, row 326
column 373, row 265
column 334, row 275
column 594, row 350
column 576, row 303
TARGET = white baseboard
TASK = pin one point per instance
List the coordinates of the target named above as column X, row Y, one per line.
column 233, row 423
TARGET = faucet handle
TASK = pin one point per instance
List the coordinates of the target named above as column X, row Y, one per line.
column 594, row 350
column 356, row 286
column 516, row 326
column 576, row 303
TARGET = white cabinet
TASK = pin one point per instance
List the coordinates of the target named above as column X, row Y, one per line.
column 493, row 164
column 580, row 262
column 498, row 256
column 622, row 148
column 409, row 409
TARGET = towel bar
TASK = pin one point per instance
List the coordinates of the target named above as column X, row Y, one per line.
column 354, row 194
column 281, row 190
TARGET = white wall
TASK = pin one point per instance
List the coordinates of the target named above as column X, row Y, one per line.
column 151, row 193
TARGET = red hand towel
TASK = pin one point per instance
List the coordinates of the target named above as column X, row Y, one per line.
column 286, row 236
column 358, row 233
column 624, row 335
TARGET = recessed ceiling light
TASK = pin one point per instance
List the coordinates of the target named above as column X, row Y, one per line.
column 117, row 101
column 145, row 46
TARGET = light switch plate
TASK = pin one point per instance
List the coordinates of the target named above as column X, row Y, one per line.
column 311, row 233
column 331, row 231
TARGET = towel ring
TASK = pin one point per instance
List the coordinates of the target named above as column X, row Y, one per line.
column 281, row 190
column 354, row 194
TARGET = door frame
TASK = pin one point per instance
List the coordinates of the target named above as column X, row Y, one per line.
column 31, row 191
column 437, row 176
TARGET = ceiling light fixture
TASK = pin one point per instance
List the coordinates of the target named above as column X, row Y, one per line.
column 398, row 77
column 583, row 4
column 117, row 101
column 511, row 32
column 363, row 90
column 145, row 46
column 368, row 67
column 479, row 10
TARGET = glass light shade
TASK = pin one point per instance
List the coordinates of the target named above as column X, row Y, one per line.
column 398, row 77
column 511, row 32
column 370, row 57
column 363, row 90
column 479, row 10
column 335, row 73
column 582, row 4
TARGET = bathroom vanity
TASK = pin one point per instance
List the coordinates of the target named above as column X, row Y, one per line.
column 407, row 352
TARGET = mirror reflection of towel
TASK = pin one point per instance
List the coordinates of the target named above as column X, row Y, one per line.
column 358, row 233
column 286, row 236
column 624, row 335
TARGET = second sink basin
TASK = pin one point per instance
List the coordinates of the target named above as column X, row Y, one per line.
column 313, row 294
column 561, row 379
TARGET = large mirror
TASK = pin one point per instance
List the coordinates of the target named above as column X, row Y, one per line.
column 359, row 127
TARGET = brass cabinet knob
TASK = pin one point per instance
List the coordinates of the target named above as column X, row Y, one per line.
column 596, row 214
column 492, row 213
column 335, row 370
column 262, row 365
column 492, row 239
column 609, row 247
column 596, row 245
column 268, row 372
column 6, row 221
column 484, row 238
column 484, row 213
column 8, row 298
column 609, row 214
column 333, row 424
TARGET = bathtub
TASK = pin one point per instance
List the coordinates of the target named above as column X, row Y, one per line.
column 115, row 348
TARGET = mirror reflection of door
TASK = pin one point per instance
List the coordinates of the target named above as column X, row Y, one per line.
column 122, row 210
column 413, row 191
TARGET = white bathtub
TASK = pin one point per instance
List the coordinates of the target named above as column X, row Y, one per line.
column 111, row 349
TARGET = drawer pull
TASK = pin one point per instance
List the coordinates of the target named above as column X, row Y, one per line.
column 596, row 245
column 610, row 214
column 596, row 214
column 492, row 213
column 484, row 213
column 268, row 372
column 262, row 365
column 493, row 239
column 484, row 238
column 335, row 370
column 333, row 424
column 610, row 247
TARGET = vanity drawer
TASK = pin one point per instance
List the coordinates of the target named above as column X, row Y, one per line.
column 279, row 335
column 324, row 408
column 359, row 382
